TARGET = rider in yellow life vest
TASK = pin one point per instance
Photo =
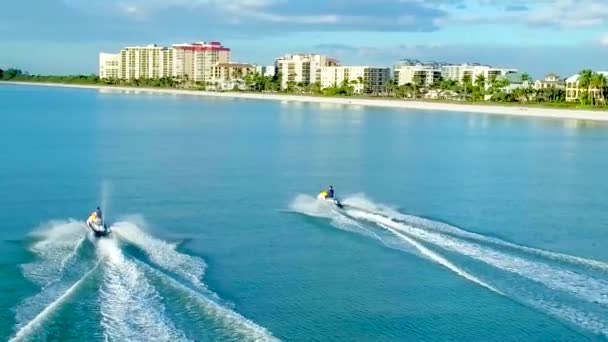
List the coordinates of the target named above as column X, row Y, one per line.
column 94, row 217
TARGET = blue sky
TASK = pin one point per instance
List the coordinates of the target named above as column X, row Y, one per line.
column 537, row 36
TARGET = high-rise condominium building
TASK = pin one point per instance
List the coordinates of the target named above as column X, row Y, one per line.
column 145, row 62
column 195, row 61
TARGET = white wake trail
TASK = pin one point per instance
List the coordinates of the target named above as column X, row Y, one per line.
column 191, row 269
column 234, row 324
column 588, row 288
column 443, row 261
column 25, row 330
column 163, row 254
column 570, row 295
column 59, row 244
column 130, row 307
column 311, row 206
column 360, row 202
column 446, row 228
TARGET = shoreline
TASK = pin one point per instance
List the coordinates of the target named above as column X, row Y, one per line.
column 551, row 113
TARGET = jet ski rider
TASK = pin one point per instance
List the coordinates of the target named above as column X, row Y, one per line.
column 96, row 215
column 330, row 192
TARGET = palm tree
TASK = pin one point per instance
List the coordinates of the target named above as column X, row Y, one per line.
column 353, row 84
column 417, row 82
column 584, row 82
column 360, row 81
column 391, row 87
column 467, row 84
column 480, row 81
column 598, row 83
column 525, row 77
column 316, row 88
column 498, row 84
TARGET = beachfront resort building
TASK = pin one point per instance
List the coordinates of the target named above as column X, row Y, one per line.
column 145, row 62
column 363, row 79
column 301, row 68
column 195, row 62
column 550, row 81
column 574, row 91
column 109, row 66
column 136, row 62
column 419, row 74
column 470, row 72
column 191, row 62
column 411, row 71
column 227, row 76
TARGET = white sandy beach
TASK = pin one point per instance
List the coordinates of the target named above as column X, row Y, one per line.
column 388, row 103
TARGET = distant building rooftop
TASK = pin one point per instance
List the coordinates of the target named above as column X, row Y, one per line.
column 235, row 65
column 575, row 77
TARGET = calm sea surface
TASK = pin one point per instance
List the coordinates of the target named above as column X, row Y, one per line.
column 458, row 227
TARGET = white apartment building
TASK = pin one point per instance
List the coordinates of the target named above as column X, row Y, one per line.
column 109, row 66
column 145, row 62
column 573, row 90
column 472, row 71
column 195, row 61
column 424, row 74
column 364, row 79
column 302, row 68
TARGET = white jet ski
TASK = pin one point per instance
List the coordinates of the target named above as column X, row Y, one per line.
column 98, row 227
column 323, row 195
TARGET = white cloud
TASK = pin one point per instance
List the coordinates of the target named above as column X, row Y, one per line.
column 301, row 19
column 379, row 15
column 604, row 39
column 390, row 15
column 570, row 14
column 148, row 7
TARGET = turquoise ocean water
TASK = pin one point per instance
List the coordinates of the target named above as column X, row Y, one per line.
column 457, row 226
